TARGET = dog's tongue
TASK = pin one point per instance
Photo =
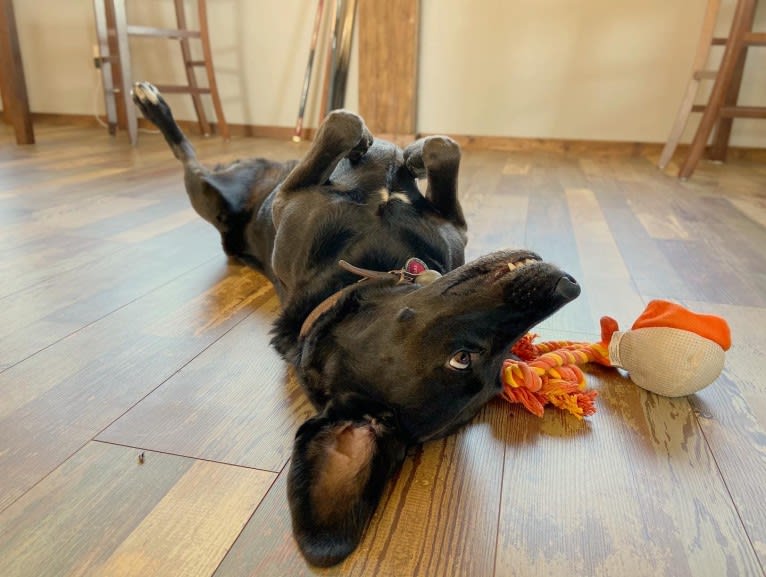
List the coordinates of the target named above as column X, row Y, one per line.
column 415, row 266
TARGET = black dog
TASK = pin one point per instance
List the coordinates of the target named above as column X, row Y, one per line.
column 394, row 360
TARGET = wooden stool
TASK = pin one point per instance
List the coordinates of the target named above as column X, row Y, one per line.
column 114, row 55
column 722, row 105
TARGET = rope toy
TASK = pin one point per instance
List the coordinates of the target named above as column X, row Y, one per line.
column 670, row 351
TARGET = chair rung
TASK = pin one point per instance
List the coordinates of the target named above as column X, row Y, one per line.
column 755, row 39
column 175, row 89
column 705, row 74
column 161, row 32
column 736, row 111
column 749, row 38
column 743, row 112
column 196, row 63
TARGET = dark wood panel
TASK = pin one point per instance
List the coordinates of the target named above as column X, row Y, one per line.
column 59, row 306
column 63, row 396
column 234, row 403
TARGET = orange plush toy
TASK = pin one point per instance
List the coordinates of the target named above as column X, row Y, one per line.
column 670, row 351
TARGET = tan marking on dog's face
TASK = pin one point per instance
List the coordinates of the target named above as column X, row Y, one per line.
column 384, row 195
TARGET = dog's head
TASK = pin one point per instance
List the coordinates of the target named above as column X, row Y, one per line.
column 391, row 365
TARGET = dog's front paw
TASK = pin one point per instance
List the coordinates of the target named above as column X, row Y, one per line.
column 348, row 132
column 440, row 151
column 431, row 154
column 362, row 146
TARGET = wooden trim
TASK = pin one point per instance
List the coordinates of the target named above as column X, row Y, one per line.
column 188, row 126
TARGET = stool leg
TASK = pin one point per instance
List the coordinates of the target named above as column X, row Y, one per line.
column 102, row 32
column 700, row 59
column 731, row 55
column 720, row 146
column 223, row 128
column 191, row 78
column 121, row 30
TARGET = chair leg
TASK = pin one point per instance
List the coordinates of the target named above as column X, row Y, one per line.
column 191, row 78
column 680, row 124
column 731, row 55
column 102, row 32
column 720, row 146
column 121, row 30
column 700, row 59
column 223, row 128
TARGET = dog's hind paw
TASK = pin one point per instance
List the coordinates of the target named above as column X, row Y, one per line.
column 144, row 92
column 149, row 100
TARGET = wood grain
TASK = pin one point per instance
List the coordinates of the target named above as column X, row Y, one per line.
column 104, row 513
column 216, row 406
column 655, row 506
column 66, row 394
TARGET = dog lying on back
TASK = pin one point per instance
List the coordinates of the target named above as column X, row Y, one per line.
column 403, row 356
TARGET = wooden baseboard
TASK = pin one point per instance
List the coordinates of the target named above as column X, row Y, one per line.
column 589, row 147
column 468, row 142
column 188, row 126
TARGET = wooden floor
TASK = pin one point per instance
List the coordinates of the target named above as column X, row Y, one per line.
column 145, row 424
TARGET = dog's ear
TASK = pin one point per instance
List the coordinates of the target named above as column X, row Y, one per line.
column 341, row 461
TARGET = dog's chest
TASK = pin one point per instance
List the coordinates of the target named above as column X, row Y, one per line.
column 379, row 227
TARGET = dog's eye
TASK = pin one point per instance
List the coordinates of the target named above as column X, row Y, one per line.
column 460, row 361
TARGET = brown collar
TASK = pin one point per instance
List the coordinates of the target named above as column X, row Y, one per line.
column 402, row 276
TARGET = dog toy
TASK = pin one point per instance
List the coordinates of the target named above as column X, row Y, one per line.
column 670, row 351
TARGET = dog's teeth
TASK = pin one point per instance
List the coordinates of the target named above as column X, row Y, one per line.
column 530, row 261
column 511, row 266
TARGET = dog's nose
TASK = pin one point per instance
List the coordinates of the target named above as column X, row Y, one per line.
column 567, row 288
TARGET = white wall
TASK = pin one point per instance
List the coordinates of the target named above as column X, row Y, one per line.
column 575, row 69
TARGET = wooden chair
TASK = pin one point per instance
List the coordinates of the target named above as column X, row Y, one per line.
column 114, row 56
column 722, row 107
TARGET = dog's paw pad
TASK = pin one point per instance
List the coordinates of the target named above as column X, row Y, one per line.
column 144, row 92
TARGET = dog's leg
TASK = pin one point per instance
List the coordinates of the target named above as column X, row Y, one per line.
column 437, row 158
column 156, row 110
column 206, row 195
column 342, row 135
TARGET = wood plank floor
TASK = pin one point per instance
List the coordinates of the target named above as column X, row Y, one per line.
column 146, row 425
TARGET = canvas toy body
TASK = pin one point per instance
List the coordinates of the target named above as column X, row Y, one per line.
column 669, row 350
